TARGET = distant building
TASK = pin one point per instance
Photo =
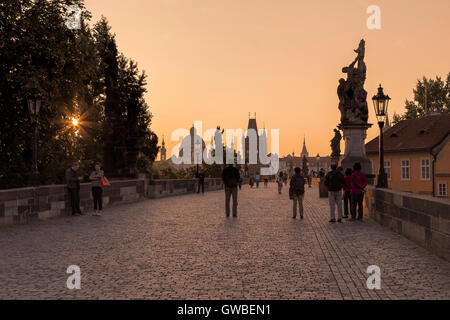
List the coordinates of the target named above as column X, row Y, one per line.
column 416, row 155
column 255, row 168
column 163, row 150
column 192, row 143
column 304, row 150
column 289, row 163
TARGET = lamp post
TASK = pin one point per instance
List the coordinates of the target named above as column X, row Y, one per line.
column 380, row 104
column 305, row 165
column 318, row 163
column 34, row 105
column 197, row 152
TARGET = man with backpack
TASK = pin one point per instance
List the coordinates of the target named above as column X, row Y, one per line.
column 296, row 192
column 230, row 178
column 334, row 180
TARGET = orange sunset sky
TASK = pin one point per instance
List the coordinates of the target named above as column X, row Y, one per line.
column 218, row 60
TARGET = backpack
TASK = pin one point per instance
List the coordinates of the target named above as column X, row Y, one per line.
column 299, row 185
column 231, row 180
column 334, row 180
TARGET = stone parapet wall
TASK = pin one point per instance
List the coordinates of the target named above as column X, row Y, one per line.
column 25, row 205
column 422, row 219
column 166, row 188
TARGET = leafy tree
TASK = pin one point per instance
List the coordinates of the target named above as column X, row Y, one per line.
column 212, row 170
column 38, row 51
column 107, row 88
column 429, row 95
column 137, row 119
column 77, row 75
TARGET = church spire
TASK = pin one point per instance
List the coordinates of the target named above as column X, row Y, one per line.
column 304, row 150
column 163, row 150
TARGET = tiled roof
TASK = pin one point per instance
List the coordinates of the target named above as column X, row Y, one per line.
column 420, row 134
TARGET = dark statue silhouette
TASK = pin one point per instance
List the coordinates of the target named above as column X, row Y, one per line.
column 351, row 93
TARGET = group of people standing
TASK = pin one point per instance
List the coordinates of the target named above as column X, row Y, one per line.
column 349, row 189
column 73, row 180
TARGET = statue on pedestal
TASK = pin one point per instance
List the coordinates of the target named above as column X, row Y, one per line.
column 351, row 93
column 336, row 146
column 354, row 114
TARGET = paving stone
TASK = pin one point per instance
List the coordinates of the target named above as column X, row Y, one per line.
column 185, row 248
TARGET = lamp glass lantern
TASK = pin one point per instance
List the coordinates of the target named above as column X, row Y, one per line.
column 381, row 104
column 34, row 105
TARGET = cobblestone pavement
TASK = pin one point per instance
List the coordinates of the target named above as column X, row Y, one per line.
column 185, row 248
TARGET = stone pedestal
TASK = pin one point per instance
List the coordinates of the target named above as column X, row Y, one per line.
column 335, row 160
column 355, row 150
column 323, row 189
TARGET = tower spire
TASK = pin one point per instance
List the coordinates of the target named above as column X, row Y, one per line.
column 163, row 150
column 304, row 150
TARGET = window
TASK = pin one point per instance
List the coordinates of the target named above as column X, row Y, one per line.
column 425, row 169
column 442, row 190
column 387, row 168
column 405, row 169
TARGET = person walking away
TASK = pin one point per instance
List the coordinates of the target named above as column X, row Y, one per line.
column 334, row 180
column 251, row 181
column 201, row 182
column 280, row 182
column 359, row 182
column 258, row 179
column 347, row 191
column 73, row 186
column 230, row 178
column 297, row 191
column 97, row 190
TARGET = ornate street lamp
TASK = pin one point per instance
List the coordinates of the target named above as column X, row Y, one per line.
column 318, row 163
column 34, row 105
column 197, row 151
column 380, row 104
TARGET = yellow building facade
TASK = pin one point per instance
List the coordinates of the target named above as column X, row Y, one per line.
column 416, row 155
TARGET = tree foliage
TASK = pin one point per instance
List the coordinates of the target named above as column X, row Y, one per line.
column 78, row 74
column 429, row 96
